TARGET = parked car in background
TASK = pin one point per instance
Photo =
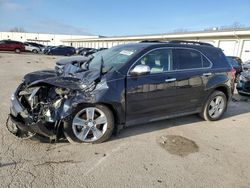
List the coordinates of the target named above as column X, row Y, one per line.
column 11, row 45
column 61, row 50
column 83, row 50
column 30, row 48
column 46, row 49
column 92, row 51
column 89, row 52
column 246, row 65
column 243, row 86
column 41, row 46
column 78, row 49
column 122, row 86
column 236, row 63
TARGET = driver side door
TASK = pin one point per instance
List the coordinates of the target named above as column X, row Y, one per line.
column 151, row 96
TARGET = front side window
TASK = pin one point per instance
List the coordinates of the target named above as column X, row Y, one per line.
column 158, row 60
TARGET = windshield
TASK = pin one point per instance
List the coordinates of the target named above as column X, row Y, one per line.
column 113, row 58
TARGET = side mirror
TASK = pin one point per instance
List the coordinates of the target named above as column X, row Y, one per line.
column 140, row 70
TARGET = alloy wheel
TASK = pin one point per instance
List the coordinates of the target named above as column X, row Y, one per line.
column 89, row 124
column 216, row 107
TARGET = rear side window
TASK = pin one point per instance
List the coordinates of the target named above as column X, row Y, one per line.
column 12, row 42
column 205, row 62
column 188, row 59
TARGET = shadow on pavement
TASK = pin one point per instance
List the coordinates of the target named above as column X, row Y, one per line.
column 239, row 105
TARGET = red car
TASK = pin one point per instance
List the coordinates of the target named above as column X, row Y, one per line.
column 10, row 45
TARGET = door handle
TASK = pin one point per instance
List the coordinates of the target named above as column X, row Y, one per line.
column 170, row 80
column 207, row 74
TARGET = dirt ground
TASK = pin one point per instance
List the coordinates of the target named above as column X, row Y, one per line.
column 180, row 152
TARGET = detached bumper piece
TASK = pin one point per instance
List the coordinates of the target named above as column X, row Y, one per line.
column 44, row 129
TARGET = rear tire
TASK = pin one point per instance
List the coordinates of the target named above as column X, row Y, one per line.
column 214, row 107
column 89, row 130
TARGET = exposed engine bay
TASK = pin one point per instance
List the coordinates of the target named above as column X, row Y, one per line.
column 42, row 103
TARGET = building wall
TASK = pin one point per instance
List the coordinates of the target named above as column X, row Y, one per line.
column 232, row 42
column 230, row 46
column 46, row 39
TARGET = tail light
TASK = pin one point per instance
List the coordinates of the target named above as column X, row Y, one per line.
column 233, row 73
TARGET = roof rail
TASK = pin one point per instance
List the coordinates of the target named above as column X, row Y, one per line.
column 144, row 41
column 190, row 42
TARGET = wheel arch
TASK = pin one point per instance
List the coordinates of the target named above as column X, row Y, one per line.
column 221, row 83
column 224, row 89
column 115, row 113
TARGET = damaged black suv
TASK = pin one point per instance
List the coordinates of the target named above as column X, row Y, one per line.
column 88, row 99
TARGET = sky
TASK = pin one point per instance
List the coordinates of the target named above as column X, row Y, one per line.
column 121, row 17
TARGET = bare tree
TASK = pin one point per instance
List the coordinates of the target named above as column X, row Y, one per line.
column 17, row 29
column 235, row 25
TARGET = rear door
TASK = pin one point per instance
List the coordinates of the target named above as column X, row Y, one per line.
column 192, row 70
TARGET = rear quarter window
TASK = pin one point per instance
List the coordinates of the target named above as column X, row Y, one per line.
column 184, row 59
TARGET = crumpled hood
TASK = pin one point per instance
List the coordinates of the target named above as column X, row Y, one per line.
column 72, row 76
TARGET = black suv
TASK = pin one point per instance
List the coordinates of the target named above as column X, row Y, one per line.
column 88, row 99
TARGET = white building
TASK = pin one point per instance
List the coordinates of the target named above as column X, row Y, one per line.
column 232, row 42
column 46, row 39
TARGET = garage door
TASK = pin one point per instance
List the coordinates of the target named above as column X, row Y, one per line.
column 245, row 55
column 228, row 47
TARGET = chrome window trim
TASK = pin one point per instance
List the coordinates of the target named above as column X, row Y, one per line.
column 162, row 48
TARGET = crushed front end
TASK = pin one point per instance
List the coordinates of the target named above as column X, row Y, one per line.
column 38, row 110
column 45, row 99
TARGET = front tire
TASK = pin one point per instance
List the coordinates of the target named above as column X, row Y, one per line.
column 89, row 124
column 214, row 107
